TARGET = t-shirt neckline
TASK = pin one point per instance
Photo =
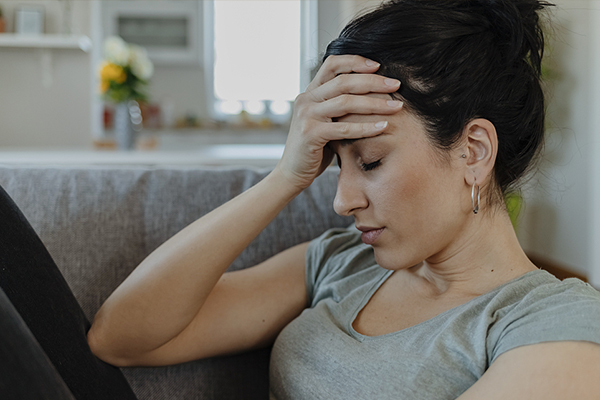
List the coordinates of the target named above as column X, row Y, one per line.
column 385, row 275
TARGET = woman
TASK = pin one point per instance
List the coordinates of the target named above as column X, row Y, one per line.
column 434, row 110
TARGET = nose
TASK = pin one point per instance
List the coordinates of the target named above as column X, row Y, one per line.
column 349, row 197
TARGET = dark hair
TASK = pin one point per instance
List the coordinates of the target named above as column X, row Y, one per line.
column 459, row 60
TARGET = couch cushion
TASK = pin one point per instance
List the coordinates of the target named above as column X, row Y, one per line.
column 99, row 223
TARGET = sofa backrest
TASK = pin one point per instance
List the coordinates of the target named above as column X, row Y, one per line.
column 99, row 223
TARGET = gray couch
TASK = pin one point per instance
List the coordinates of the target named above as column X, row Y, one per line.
column 98, row 223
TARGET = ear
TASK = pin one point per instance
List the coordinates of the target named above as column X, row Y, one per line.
column 481, row 150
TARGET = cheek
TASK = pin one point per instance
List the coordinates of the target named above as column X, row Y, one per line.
column 418, row 198
column 396, row 194
column 410, row 183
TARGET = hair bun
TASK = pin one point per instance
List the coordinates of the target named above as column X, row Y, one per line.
column 517, row 29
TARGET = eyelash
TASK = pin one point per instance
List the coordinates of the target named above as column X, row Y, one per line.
column 371, row 166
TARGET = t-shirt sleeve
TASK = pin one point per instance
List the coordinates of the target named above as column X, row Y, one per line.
column 568, row 311
column 321, row 253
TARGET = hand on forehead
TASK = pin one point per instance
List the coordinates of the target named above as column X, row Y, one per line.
column 371, row 117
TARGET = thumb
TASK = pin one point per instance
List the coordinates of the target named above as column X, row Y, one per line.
column 328, row 155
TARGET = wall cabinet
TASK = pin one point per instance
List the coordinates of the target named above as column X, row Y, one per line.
column 168, row 30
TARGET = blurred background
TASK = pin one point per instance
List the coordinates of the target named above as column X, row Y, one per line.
column 223, row 79
column 241, row 62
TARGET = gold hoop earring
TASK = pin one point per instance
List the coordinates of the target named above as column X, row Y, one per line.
column 475, row 206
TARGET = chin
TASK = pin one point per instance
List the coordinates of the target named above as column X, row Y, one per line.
column 388, row 260
column 392, row 260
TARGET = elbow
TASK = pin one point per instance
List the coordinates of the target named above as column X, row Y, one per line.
column 103, row 348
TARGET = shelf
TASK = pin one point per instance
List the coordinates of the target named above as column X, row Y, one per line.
column 48, row 41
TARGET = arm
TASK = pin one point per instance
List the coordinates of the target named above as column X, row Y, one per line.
column 177, row 305
column 165, row 293
column 544, row 371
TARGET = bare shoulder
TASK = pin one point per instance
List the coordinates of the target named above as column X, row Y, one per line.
column 548, row 371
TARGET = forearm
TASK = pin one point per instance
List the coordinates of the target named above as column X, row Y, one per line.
column 166, row 291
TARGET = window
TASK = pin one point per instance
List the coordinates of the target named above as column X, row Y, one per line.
column 258, row 55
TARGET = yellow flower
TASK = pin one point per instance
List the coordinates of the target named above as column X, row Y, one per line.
column 121, row 77
column 104, row 85
column 112, row 72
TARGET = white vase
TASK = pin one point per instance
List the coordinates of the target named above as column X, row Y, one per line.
column 125, row 113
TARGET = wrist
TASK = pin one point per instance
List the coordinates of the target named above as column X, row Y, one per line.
column 283, row 183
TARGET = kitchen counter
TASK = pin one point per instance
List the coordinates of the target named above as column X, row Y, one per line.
column 258, row 149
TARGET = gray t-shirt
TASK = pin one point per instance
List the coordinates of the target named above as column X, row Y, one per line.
column 320, row 356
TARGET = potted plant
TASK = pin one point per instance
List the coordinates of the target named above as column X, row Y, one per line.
column 124, row 75
column 514, row 203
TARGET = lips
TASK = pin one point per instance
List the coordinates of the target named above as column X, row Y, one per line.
column 369, row 235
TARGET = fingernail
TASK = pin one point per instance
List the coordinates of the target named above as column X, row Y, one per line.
column 392, row 82
column 372, row 63
column 381, row 124
column 395, row 103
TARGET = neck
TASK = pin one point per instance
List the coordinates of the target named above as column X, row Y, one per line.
column 485, row 255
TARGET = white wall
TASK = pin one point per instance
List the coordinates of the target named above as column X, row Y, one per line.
column 594, row 178
column 557, row 221
column 335, row 14
column 37, row 116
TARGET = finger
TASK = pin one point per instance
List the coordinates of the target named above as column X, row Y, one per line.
column 344, row 64
column 356, row 104
column 355, row 84
column 350, row 130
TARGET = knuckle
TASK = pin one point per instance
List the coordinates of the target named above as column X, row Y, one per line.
column 359, row 60
column 305, row 129
column 344, row 102
column 330, row 61
column 342, row 83
column 344, row 128
column 347, row 103
column 303, row 103
column 309, row 97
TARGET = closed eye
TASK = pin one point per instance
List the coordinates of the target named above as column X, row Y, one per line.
column 370, row 166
